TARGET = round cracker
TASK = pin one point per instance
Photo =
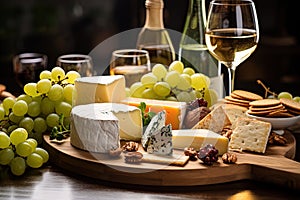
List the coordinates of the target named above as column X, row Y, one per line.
column 279, row 106
column 247, row 95
column 265, row 103
column 229, row 98
column 290, row 103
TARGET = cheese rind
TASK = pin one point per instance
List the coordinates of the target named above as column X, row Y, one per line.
column 94, row 131
column 99, row 89
column 197, row 138
column 175, row 111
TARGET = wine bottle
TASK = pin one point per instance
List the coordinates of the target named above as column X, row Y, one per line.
column 193, row 51
column 154, row 37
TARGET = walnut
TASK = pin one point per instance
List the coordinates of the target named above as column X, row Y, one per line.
column 227, row 132
column 130, row 146
column 229, row 158
column 194, row 116
column 191, row 152
column 277, row 139
column 133, row 157
column 115, row 152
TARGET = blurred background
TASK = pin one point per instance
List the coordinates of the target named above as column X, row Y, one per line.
column 77, row 26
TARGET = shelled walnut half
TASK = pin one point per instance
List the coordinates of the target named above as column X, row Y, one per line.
column 276, row 139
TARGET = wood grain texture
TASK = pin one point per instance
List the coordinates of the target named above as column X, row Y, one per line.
column 275, row 166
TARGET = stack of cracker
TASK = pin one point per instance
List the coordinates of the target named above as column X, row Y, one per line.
column 274, row 108
column 242, row 98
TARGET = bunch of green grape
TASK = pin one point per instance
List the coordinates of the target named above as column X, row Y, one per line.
column 19, row 152
column 176, row 83
column 41, row 106
column 288, row 95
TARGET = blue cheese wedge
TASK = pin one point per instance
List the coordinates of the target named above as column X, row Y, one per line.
column 161, row 141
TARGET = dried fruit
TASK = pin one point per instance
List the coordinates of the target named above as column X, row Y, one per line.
column 208, row 154
column 199, row 102
column 191, row 152
column 195, row 115
column 229, row 158
column 133, row 157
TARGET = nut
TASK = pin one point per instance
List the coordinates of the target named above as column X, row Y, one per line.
column 191, row 152
column 194, row 116
column 277, row 139
column 115, row 152
column 133, row 157
column 130, row 146
column 229, row 158
column 227, row 132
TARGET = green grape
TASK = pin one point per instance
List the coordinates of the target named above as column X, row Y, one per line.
column 188, row 71
column 172, row 78
column 40, row 125
column 6, row 156
column 43, row 86
column 31, row 89
column 42, row 152
column 159, row 71
column 12, row 127
column 14, row 118
column 56, row 92
column 199, row 81
column 186, row 77
column 18, row 166
column 34, row 160
column 171, row 98
column 136, row 89
column 47, row 106
column 57, row 73
column 2, row 113
column 183, row 84
column 18, row 135
column 63, row 108
column 148, row 93
column 127, row 92
column 192, row 95
column 24, row 149
column 33, row 143
column 27, row 123
column 162, row 89
column 148, row 80
column 197, row 93
column 46, row 74
column 72, row 76
column 20, row 108
column 34, row 108
column 68, row 92
column 8, row 103
column 286, row 95
column 211, row 97
column 52, row 120
column 67, row 121
column 184, row 97
column 176, row 66
column 4, row 140
column 25, row 97
column 37, row 98
column 297, row 99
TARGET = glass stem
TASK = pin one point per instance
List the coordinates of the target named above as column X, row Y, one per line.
column 231, row 73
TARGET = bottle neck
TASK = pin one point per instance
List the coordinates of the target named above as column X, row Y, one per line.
column 154, row 14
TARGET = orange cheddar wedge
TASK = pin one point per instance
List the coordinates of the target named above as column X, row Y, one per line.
column 175, row 111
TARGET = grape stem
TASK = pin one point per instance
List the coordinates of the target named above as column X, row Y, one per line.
column 267, row 89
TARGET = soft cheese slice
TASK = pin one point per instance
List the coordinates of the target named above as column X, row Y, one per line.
column 175, row 111
column 129, row 118
column 215, row 121
column 197, row 138
column 161, row 141
column 250, row 135
column 93, row 130
column 98, row 89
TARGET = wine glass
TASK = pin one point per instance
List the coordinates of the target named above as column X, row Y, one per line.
column 132, row 63
column 232, row 33
column 28, row 66
column 81, row 63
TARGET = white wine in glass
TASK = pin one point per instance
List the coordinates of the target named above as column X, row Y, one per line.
column 232, row 32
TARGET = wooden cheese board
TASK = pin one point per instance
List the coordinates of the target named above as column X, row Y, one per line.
column 275, row 166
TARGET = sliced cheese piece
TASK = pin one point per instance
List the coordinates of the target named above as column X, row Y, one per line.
column 215, row 121
column 98, row 89
column 175, row 111
column 129, row 118
column 197, row 138
column 93, row 130
column 161, row 141
column 250, row 135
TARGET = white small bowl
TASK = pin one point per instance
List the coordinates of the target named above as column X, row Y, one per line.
column 277, row 123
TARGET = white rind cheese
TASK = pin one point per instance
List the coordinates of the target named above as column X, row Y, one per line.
column 96, row 125
column 99, row 89
column 197, row 138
